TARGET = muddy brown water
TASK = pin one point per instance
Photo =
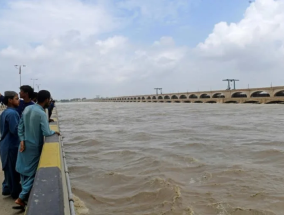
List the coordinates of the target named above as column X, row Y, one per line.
column 201, row 159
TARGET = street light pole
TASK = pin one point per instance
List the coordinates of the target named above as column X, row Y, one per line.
column 33, row 79
column 20, row 72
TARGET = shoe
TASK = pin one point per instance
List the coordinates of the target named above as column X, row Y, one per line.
column 6, row 193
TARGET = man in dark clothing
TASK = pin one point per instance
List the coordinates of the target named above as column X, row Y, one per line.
column 1, row 98
column 26, row 95
column 50, row 109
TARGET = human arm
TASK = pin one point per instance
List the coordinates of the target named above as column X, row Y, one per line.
column 13, row 122
column 21, row 130
column 45, row 127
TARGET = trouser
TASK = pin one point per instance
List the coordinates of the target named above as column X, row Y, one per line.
column 11, row 182
column 27, row 184
column 50, row 112
column 5, row 187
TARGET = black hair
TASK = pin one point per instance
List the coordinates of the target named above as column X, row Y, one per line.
column 28, row 89
column 43, row 95
column 35, row 95
column 6, row 99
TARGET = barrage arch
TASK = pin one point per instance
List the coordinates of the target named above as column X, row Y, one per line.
column 218, row 95
column 279, row 93
column 174, row 97
column 160, row 97
column 204, row 96
column 182, row 97
column 193, row 96
column 167, row 97
column 239, row 95
column 259, row 94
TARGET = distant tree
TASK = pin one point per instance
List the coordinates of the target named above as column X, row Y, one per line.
column 65, row 100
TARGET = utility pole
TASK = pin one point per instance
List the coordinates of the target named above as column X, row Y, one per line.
column 34, row 79
column 20, row 72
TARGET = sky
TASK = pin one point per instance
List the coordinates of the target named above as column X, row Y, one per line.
column 85, row 48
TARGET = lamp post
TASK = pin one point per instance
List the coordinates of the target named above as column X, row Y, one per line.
column 20, row 72
column 34, row 79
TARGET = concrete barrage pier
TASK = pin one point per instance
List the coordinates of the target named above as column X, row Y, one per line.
column 266, row 95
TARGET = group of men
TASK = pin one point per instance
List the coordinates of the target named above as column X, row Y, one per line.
column 23, row 126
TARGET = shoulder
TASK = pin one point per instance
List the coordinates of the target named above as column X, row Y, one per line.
column 30, row 107
column 37, row 109
column 11, row 113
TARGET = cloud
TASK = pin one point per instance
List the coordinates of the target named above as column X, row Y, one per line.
column 147, row 11
column 114, row 61
column 75, row 49
column 257, row 37
column 34, row 21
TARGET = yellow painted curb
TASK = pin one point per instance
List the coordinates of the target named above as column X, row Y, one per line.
column 50, row 156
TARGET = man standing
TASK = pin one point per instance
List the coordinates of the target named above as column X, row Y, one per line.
column 50, row 109
column 9, row 146
column 1, row 98
column 26, row 93
column 33, row 127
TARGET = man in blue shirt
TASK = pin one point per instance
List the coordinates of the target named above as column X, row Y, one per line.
column 32, row 128
column 9, row 145
column 26, row 95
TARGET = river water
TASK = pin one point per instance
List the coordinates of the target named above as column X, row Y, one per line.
column 175, row 159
